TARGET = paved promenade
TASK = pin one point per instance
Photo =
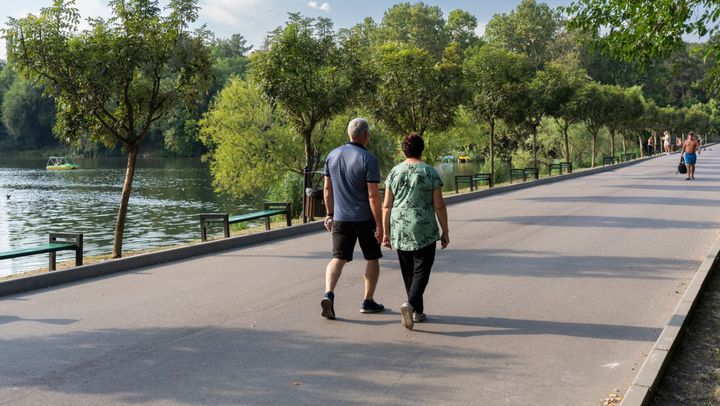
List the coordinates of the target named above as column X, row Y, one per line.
column 550, row 295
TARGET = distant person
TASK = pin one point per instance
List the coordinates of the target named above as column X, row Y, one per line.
column 690, row 149
column 666, row 142
column 413, row 198
column 678, row 143
column 651, row 145
column 354, row 212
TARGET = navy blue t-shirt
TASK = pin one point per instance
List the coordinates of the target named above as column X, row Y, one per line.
column 350, row 168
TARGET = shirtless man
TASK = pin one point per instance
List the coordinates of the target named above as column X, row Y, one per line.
column 690, row 149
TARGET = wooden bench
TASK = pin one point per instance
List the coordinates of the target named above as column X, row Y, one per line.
column 608, row 160
column 56, row 242
column 560, row 167
column 269, row 210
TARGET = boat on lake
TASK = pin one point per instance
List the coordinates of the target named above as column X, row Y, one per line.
column 60, row 163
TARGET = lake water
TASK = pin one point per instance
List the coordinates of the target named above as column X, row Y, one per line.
column 166, row 198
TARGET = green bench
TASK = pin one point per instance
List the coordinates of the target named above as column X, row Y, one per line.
column 532, row 171
column 628, row 156
column 608, row 160
column 269, row 210
column 473, row 180
column 517, row 173
column 560, row 167
column 56, row 242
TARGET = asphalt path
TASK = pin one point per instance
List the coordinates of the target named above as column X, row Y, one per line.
column 548, row 295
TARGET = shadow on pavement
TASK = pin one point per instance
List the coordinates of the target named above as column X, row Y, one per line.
column 631, row 223
column 490, row 326
column 211, row 365
column 547, row 264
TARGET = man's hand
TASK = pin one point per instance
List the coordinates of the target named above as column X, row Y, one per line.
column 378, row 234
column 328, row 223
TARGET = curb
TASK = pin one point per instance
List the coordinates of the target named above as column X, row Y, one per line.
column 640, row 392
column 49, row 279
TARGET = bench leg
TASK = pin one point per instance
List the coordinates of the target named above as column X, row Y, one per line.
column 79, row 250
column 287, row 218
column 51, row 265
column 203, row 230
column 226, row 228
column 267, row 222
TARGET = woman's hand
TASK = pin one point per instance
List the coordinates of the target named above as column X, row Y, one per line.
column 386, row 241
column 444, row 240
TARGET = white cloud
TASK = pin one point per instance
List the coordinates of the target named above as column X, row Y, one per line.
column 324, row 7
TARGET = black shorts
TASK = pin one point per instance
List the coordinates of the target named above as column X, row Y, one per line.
column 344, row 235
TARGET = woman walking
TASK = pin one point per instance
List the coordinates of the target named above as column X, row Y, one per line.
column 413, row 198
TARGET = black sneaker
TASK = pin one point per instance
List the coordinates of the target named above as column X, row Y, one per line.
column 371, row 306
column 328, row 306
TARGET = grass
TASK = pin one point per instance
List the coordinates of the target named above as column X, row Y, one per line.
column 693, row 374
column 214, row 233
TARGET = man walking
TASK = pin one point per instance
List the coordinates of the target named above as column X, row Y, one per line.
column 690, row 148
column 354, row 213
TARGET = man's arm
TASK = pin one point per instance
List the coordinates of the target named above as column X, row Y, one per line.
column 329, row 202
column 376, row 208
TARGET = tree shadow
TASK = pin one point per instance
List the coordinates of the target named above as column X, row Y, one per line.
column 58, row 322
column 625, row 200
column 632, row 223
column 211, row 365
column 549, row 264
column 490, row 326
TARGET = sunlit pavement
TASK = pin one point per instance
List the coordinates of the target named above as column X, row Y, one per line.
column 549, row 295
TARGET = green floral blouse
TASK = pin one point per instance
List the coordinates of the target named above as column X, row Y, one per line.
column 412, row 219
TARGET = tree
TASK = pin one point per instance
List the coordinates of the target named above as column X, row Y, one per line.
column 419, row 25
column 642, row 30
column 531, row 29
column 564, row 79
column 417, row 66
column 495, row 78
column 308, row 77
column 116, row 79
column 592, row 105
column 28, row 116
column 414, row 93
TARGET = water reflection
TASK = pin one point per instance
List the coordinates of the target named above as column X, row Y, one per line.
column 167, row 196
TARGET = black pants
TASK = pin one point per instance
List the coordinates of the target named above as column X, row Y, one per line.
column 415, row 267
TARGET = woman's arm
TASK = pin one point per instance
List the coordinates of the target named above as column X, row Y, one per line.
column 441, row 212
column 387, row 209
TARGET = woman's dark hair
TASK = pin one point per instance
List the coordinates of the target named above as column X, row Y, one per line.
column 413, row 145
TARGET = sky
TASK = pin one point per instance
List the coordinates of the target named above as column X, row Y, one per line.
column 253, row 19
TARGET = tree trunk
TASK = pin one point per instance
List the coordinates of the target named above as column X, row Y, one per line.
column 566, row 140
column 534, row 146
column 640, row 144
column 491, row 150
column 624, row 145
column 594, row 146
column 612, row 141
column 124, row 200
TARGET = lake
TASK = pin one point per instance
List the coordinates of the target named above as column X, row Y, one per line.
column 166, row 198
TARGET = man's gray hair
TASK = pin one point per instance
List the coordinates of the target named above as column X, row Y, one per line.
column 357, row 127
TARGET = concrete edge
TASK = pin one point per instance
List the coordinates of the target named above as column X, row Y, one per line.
column 55, row 278
column 49, row 279
column 647, row 379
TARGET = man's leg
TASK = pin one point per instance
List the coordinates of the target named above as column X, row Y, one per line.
column 332, row 273
column 372, row 274
column 691, row 171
